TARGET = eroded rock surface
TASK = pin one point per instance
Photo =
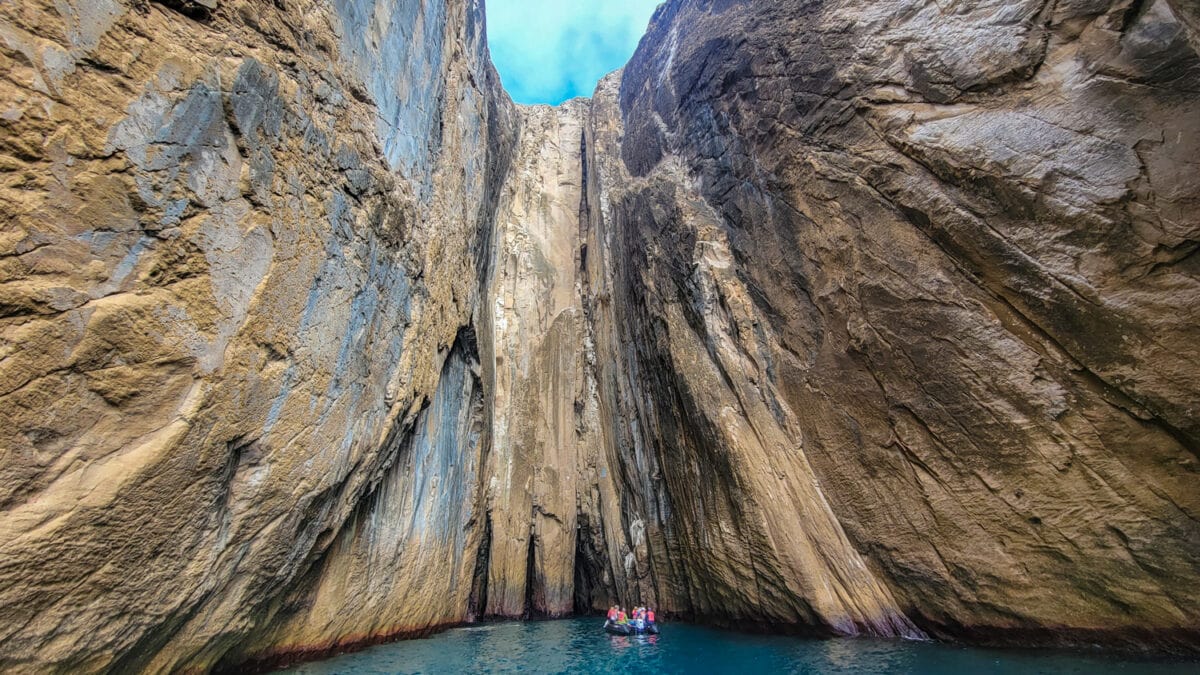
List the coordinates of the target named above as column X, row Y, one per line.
column 846, row 317
column 237, row 256
column 945, row 257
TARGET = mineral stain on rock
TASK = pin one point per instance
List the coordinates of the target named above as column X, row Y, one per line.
column 844, row 317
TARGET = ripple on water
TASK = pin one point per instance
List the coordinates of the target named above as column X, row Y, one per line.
column 580, row 646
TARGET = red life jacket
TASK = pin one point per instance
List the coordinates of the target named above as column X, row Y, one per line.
column 650, row 616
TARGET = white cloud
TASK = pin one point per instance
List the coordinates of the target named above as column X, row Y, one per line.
column 550, row 50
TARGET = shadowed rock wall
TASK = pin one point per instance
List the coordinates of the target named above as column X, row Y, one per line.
column 842, row 317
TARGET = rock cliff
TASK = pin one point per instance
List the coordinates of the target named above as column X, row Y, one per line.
column 842, row 317
column 243, row 245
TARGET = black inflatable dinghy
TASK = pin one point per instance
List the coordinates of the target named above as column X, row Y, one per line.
column 630, row 628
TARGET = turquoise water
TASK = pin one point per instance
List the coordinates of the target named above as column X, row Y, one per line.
column 580, row 646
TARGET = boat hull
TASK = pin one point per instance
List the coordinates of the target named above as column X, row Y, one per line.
column 630, row 629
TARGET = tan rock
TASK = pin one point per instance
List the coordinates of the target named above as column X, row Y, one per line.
column 944, row 254
column 848, row 317
column 232, row 283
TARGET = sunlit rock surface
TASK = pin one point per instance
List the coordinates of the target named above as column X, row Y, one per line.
column 535, row 321
column 844, row 317
column 728, row 515
column 237, row 258
column 945, row 257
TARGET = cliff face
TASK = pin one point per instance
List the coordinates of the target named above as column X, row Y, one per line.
column 938, row 266
column 240, row 260
column 849, row 317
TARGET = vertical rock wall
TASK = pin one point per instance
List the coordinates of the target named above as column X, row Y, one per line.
column 551, row 496
column 240, row 240
column 931, row 267
column 725, row 512
column 535, row 336
column 405, row 560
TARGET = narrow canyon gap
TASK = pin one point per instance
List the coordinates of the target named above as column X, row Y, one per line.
column 846, row 318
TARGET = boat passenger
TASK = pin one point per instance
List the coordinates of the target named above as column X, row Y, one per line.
column 650, row 615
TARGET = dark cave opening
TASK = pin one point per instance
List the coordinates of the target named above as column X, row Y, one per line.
column 532, row 584
column 477, row 600
column 590, row 592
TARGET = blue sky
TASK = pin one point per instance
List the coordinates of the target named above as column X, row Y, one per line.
column 548, row 51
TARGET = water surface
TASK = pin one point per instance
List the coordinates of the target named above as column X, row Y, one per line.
column 580, row 646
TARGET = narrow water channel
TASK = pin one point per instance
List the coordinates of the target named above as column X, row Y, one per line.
column 579, row 646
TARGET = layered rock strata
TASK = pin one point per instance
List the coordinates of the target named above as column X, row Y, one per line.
column 844, row 317
column 536, row 331
column 946, row 259
column 238, row 256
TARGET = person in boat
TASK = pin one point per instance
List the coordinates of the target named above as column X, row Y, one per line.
column 611, row 616
column 650, row 616
column 639, row 619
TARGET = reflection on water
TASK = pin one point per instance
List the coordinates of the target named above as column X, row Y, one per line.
column 581, row 646
column 622, row 642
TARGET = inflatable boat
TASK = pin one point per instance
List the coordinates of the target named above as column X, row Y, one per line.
column 630, row 628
